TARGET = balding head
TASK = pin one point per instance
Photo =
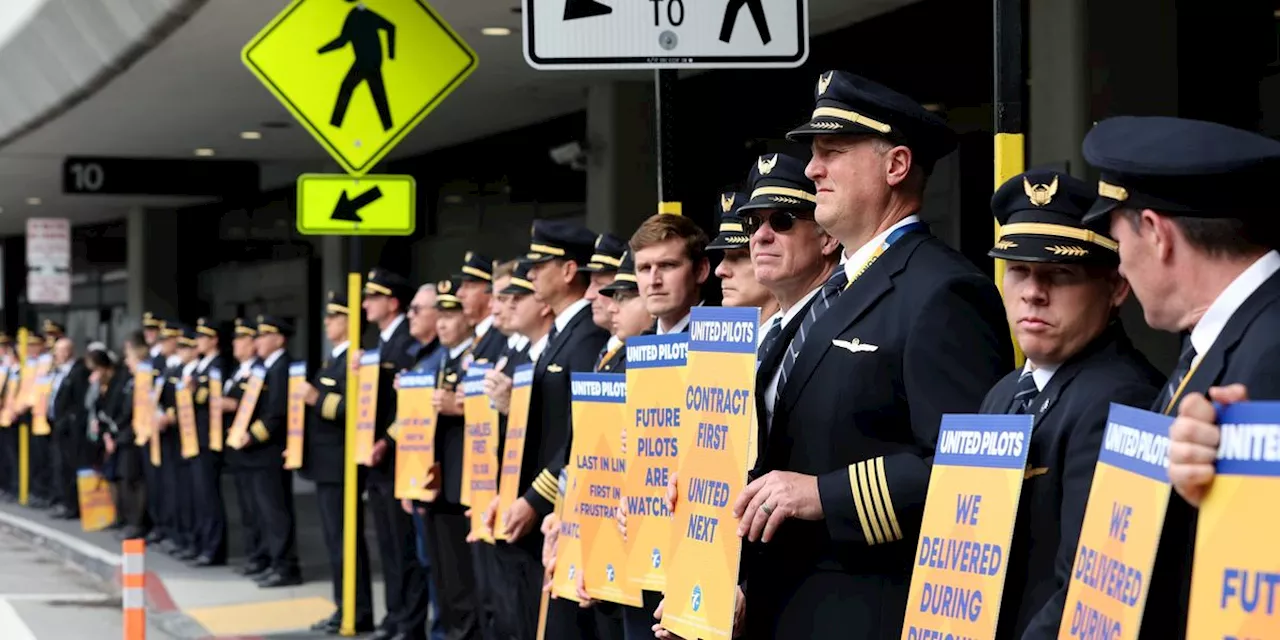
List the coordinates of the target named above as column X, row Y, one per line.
column 63, row 350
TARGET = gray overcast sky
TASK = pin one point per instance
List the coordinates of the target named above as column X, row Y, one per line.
column 14, row 14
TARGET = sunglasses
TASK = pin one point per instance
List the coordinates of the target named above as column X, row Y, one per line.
column 781, row 221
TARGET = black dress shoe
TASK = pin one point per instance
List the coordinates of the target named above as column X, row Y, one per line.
column 155, row 537
column 384, row 633
column 131, row 533
column 58, row 512
column 206, row 561
column 186, row 554
column 275, row 580
column 253, row 569
column 328, row 625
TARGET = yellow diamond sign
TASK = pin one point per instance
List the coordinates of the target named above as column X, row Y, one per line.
column 340, row 205
column 359, row 75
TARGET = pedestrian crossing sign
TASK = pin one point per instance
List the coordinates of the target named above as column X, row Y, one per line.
column 359, row 75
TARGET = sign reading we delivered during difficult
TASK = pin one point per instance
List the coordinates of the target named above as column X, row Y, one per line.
column 969, row 513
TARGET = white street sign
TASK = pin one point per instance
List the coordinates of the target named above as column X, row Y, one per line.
column 48, row 261
column 665, row 34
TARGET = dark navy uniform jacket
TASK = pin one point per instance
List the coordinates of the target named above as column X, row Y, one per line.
column 1246, row 352
column 1070, row 418
column 550, row 430
column 327, row 423
column 269, row 423
column 922, row 332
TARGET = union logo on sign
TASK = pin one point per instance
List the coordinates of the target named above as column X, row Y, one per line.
column 359, row 76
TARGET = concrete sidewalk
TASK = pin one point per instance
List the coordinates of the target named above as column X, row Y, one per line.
column 211, row 602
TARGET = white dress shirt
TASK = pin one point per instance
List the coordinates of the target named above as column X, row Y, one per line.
column 460, row 349
column 271, row 359
column 484, row 327
column 339, row 350
column 855, row 261
column 1041, row 374
column 391, row 328
column 1225, row 305
column 563, row 318
column 538, row 347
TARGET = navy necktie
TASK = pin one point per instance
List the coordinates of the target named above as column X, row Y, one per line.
column 834, row 285
column 1025, row 393
column 770, row 338
column 1180, row 371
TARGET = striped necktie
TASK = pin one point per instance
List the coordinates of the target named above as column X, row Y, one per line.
column 834, row 285
column 770, row 337
column 1025, row 393
column 1164, row 403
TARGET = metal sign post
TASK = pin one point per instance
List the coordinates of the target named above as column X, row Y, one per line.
column 1010, row 89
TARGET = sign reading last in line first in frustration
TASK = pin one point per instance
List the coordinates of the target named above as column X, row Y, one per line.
column 359, row 76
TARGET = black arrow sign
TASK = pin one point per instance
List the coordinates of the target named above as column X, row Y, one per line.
column 577, row 9
column 348, row 208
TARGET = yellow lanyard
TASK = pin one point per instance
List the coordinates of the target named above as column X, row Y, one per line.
column 893, row 237
column 1182, row 385
column 607, row 357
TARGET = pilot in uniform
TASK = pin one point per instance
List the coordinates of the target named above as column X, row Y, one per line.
column 324, row 463
column 905, row 331
column 1198, row 195
column 210, row 511
column 263, row 447
column 1062, row 295
column 447, row 525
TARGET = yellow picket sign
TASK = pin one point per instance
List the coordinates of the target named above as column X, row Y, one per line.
column 655, row 401
column 719, row 407
column 7, row 414
column 244, row 412
column 143, row 412
column 188, row 437
column 513, row 446
column 1236, row 571
column 597, row 465
column 97, row 509
column 415, row 435
column 39, row 397
column 480, row 450
column 215, row 410
column 969, row 512
column 367, row 403
column 296, row 417
column 564, row 581
column 1121, row 529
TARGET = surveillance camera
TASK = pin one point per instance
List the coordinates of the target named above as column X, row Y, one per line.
column 571, row 154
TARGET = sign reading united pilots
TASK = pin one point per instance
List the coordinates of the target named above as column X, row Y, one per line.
column 359, row 77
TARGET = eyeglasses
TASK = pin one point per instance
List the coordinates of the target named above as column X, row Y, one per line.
column 415, row 309
column 781, row 221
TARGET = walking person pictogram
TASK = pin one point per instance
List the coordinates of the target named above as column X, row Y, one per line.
column 731, row 12
column 362, row 30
